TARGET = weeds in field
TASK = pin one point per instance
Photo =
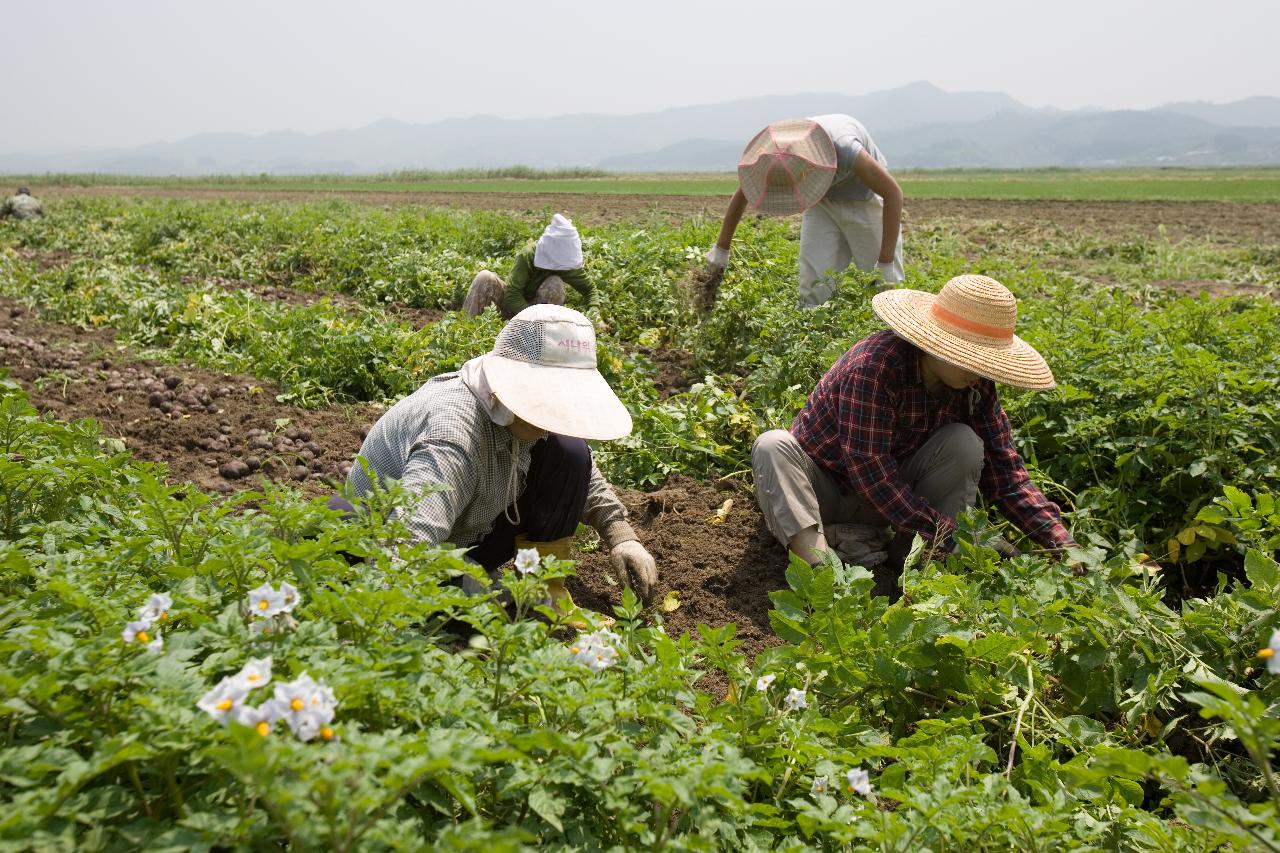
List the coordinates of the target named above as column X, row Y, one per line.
column 1010, row 703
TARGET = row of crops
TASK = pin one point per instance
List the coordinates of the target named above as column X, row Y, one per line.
column 1003, row 705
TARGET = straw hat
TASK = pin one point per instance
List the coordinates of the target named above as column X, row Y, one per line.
column 968, row 324
column 543, row 368
column 787, row 167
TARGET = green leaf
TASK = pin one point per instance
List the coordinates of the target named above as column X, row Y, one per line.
column 547, row 807
column 1261, row 570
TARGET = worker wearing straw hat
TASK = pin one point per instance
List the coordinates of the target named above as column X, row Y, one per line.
column 829, row 168
column 906, row 429
column 495, row 455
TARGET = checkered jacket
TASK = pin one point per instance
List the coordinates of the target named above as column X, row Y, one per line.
column 871, row 410
column 440, row 434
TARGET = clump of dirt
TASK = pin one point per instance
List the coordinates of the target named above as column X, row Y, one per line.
column 704, row 287
column 672, row 370
column 224, row 432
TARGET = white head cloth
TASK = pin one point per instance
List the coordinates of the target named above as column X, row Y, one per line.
column 472, row 375
column 559, row 247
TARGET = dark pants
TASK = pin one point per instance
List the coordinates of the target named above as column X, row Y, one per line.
column 555, row 494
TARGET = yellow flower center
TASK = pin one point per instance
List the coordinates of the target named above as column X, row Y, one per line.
column 143, row 638
column 1266, row 653
column 264, row 728
column 263, row 604
column 163, row 616
column 326, row 733
column 224, row 705
column 574, row 649
column 296, row 704
column 253, row 676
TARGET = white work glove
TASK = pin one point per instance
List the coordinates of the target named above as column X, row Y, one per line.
column 631, row 560
column 887, row 273
column 717, row 259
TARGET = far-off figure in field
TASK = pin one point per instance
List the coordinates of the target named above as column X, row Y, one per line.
column 829, row 169
column 22, row 205
column 540, row 274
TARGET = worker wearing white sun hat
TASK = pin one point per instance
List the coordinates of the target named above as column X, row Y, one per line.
column 506, row 439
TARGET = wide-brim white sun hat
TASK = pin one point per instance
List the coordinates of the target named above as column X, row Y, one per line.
column 787, row 167
column 543, row 368
column 969, row 323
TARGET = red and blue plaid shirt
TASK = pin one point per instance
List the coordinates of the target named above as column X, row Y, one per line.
column 871, row 410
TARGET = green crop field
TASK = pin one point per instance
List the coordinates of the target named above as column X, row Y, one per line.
column 1227, row 184
column 755, row 704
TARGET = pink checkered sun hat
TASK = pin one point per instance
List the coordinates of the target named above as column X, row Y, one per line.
column 787, row 167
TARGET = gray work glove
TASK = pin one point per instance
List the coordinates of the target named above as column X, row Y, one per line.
column 633, row 562
column 717, row 260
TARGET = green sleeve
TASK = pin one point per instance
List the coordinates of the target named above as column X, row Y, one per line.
column 517, row 281
column 581, row 282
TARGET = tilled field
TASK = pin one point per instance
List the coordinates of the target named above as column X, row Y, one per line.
column 1230, row 221
column 226, row 432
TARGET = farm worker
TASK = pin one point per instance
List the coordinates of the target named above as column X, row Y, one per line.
column 496, row 454
column 906, row 428
column 540, row 273
column 22, row 205
column 829, row 168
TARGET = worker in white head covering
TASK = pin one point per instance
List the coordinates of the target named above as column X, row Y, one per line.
column 541, row 273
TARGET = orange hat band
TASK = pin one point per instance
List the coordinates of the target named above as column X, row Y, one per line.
column 998, row 332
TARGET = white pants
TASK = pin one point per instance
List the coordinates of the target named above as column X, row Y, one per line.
column 834, row 234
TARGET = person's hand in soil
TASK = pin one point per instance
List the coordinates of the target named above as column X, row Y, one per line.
column 631, row 560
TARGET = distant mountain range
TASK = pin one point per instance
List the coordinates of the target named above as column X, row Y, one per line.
column 917, row 126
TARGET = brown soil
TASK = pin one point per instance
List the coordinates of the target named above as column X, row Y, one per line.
column 223, row 432
column 723, row 572
column 1233, row 221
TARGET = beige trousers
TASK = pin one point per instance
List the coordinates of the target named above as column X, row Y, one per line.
column 795, row 493
column 488, row 289
column 835, row 234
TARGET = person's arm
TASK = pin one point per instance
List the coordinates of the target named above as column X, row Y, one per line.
column 718, row 255
column 885, row 185
column 581, row 282
column 1006, row 484
column 608, row 516
column 514, row 297
column 605, row 513
column 867, row 421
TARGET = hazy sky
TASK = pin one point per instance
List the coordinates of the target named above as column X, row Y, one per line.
column 91, row 73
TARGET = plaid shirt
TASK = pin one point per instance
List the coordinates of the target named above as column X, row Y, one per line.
column 440, row 435
column 871, row 410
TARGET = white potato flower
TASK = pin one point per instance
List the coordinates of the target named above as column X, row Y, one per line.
column 222, row 702
column 1272, row 653
column 266, row 601
column 137, row 631
column 764, row 682
column 859, row 782
column 527, row 560
column 819, row 785
column 156, row 608
column 306, row 705
column 795, row 700
column 289, row 596
column 255, row 673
